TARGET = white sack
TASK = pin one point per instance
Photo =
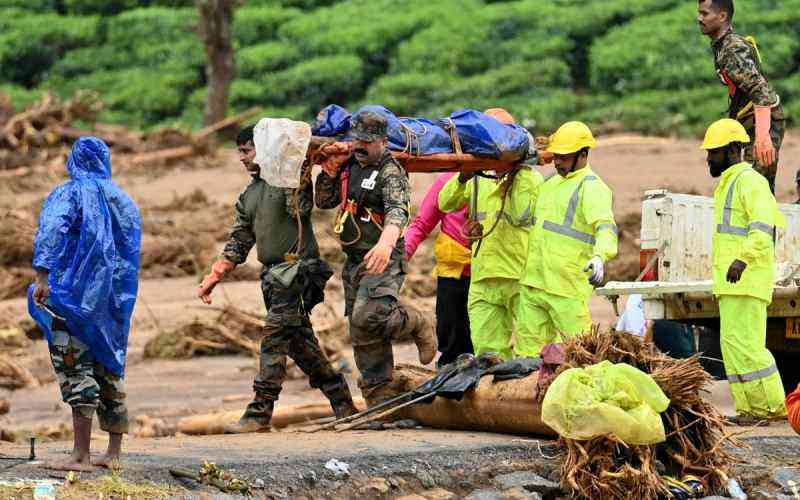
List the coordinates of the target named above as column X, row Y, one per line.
column 281, row 146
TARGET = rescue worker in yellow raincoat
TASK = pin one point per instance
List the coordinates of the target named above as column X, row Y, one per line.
column 746, row 214
column 573, row 236
column 499, row 257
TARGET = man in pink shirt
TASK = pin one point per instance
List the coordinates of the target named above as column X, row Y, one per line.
column 452, row 270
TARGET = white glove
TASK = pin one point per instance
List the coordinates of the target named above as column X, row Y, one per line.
column 595, row 265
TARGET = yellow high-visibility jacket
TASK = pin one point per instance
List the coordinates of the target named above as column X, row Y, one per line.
column 746, row 213
column 502, row 253
column 573, row 221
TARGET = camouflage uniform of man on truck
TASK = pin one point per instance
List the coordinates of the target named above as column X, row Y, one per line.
column 372, row 192
column 292, row 282
column 752, row 101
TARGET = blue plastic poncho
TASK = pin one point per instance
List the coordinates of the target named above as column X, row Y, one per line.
column 89, row 240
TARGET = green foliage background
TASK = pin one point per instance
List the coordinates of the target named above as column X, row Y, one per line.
column 633, row 64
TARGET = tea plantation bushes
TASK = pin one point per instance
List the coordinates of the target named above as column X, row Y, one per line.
column 367, row 29
column 314, row 83
column 258, row 60
column 667, row 50
column 255, row 24
column 638, row 64
column 31, row 43
column 411, row 93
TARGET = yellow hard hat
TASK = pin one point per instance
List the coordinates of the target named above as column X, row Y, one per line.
column 723, row 132
column 571, row 137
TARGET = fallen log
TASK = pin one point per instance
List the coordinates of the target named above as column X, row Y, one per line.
column 204, row 133
column 508, row 406
column 214, row 423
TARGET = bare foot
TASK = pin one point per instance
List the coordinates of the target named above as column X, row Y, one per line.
column 108, row 462
column 71, row 464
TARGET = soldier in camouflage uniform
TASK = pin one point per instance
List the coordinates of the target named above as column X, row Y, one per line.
column 373, row 194
column 753, row 102
column 292, row 281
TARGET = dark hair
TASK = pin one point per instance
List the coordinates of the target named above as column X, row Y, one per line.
column 723, row 5
column 245, row 135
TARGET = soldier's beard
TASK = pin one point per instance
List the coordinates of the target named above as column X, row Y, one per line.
column 715, row 168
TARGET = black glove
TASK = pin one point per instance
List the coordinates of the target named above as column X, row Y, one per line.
column 735, row 271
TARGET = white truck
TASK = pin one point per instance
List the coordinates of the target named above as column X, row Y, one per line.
column 675, row 282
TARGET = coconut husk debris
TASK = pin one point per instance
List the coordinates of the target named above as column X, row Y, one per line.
column 38, row 139
column 14, row 376
column 17, row 230
column 697, row 442
column 235, row 331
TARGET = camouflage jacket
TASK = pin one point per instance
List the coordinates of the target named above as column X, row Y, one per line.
column 738, row 66
column 382, row 187
column 266, row 216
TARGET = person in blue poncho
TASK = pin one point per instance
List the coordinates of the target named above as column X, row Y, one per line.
column 86, row 258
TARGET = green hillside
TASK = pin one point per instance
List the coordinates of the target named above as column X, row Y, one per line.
column 627, row 64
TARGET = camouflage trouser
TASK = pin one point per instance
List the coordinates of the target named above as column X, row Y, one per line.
column 86, row 385
column 288, row 332
column 375, row 318
column 776, row 133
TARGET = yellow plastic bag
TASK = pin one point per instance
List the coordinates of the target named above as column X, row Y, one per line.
column 603, row 400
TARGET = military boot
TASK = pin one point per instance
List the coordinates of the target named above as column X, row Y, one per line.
column 339, row 396
column 421, row 330
column 256, row 418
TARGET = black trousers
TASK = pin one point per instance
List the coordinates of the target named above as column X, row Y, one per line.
column 452, row 319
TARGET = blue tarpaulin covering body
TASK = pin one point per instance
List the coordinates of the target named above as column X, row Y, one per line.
column 89, row 240
column 479, row 134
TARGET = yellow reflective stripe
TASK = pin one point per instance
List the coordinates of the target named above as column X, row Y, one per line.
column 727, row 211
column 566, row 228
column 569, row 232
column 756, row 375
column 761, row 226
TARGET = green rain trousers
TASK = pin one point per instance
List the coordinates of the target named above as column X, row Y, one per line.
column 492, row 303
column 545, row 318
column 494, row 289
column 753, row 376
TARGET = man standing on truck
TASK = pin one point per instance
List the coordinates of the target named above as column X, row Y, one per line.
column 745, row 213
column 752, row 101
column 573, row 234
column 373, row 195
column 277, row 221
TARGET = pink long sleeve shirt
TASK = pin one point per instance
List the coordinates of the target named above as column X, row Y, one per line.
column 452, row 225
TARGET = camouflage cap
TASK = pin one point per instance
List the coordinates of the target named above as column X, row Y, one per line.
column 368, row 126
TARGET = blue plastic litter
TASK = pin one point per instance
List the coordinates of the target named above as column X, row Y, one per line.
column 89, row 239
column 479, row 134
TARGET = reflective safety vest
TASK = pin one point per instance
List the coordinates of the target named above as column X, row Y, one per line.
column 503, row 252
column 746, row 214
column 573, row 221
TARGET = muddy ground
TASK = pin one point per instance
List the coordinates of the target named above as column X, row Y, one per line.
column 170, row 389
